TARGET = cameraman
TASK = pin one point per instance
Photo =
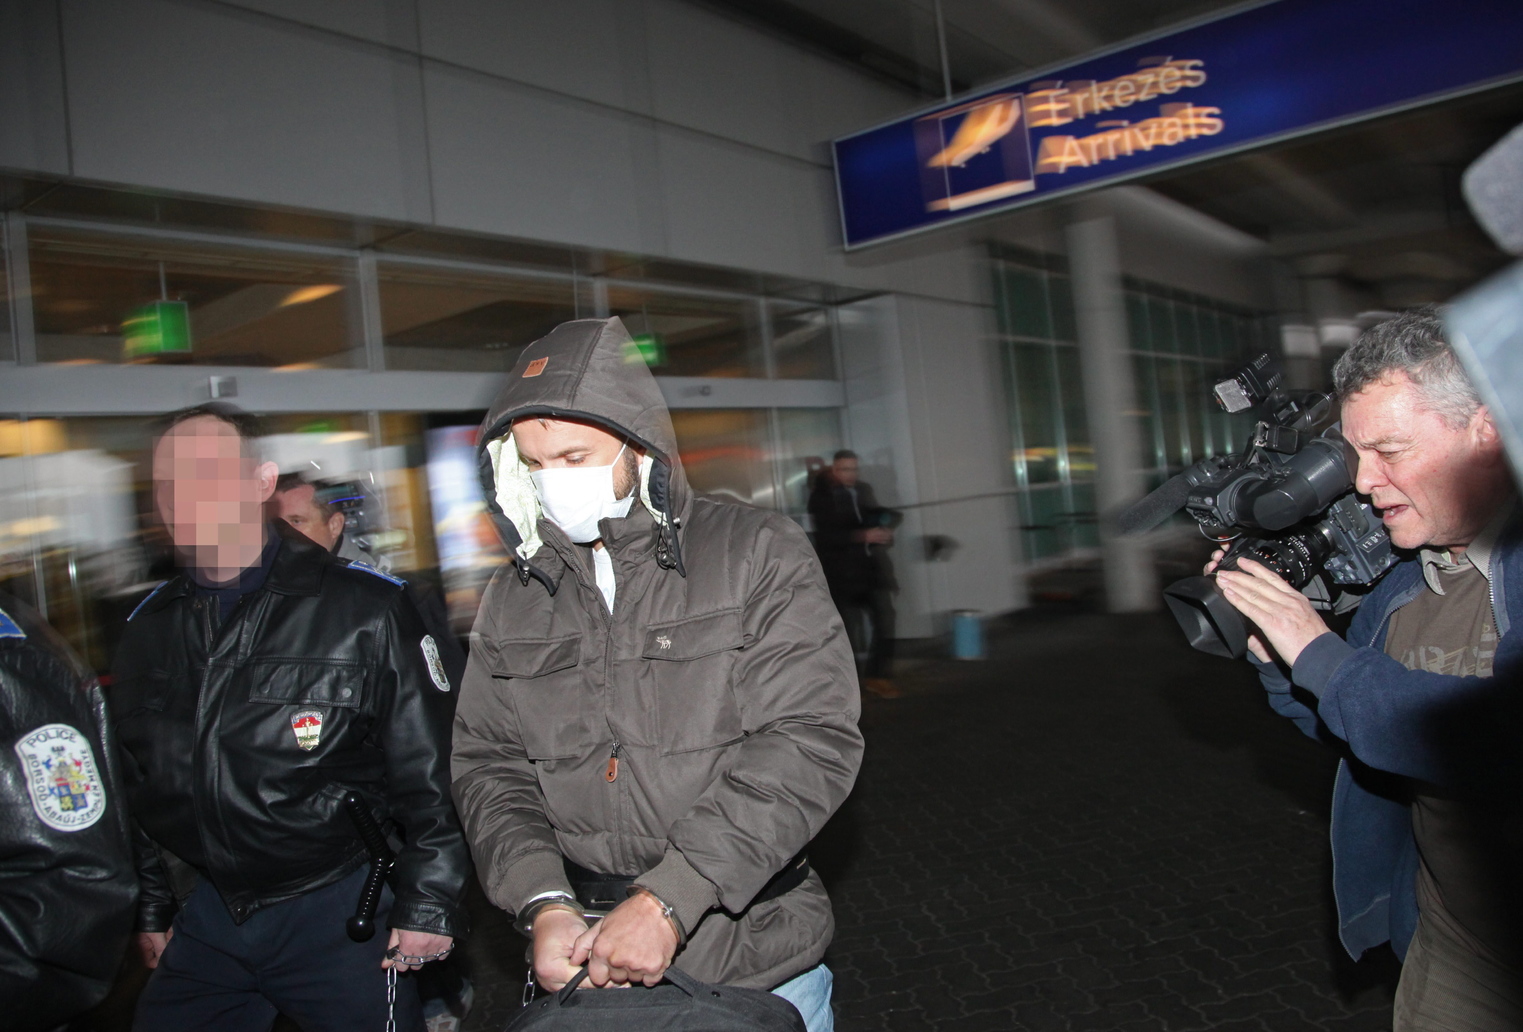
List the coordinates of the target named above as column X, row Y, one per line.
column 1421, row 856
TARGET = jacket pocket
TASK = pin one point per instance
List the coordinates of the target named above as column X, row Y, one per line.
column 146, row 692
column 305, row 682
column 528, row 659
column 548, row 692
column 693, row 663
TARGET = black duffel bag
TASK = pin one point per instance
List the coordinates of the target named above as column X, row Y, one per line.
column 680, row 1004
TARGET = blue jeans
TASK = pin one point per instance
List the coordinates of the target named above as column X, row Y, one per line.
column 810, row 993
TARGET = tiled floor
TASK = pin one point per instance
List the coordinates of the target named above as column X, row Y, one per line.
column 1096, row 828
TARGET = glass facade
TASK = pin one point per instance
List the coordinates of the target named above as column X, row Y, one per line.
column 1051, row 455
column 452, row 320
column 803, row 341
column 692, row 335
column 727, row 453
column 77, row 534
column 100, row 298
column 1181, row 343
column 7, row 337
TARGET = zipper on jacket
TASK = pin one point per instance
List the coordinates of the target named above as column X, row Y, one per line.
column 612, row 774
column 201, row 606
column 1491, row 593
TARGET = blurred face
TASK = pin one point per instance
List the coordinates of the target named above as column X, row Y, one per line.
column 559, row 444
column 845, row 472
column 299, row 508
column 1435, row 485
column 211, row 496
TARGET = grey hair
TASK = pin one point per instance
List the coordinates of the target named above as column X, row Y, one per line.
column 1413, row 344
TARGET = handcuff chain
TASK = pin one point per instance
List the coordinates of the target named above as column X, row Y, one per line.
column 391, row 999
column 396, row 954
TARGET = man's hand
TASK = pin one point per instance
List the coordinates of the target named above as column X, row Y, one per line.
column 414, row 944
column 1283, row 616
column 151, row 946
column 634, row 943
column 555, row 935
column 876, row 536
column 1255, row 643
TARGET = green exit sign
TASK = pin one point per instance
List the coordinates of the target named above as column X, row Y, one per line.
column 647, row 348
column 160, row 328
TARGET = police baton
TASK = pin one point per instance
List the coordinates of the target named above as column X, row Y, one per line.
column 362, row 925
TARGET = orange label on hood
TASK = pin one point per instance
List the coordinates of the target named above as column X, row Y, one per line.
column 535, row 367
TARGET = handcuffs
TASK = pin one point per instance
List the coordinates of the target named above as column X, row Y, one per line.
column 396, row 954
column 524, row 925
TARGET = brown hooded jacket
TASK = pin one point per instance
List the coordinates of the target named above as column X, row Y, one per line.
column 722, row 680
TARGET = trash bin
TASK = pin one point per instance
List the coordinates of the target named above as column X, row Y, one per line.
column 967, row 635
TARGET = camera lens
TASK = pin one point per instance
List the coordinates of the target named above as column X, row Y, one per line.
column 1296, row 558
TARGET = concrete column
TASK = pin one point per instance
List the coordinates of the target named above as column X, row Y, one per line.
column 1131, row 585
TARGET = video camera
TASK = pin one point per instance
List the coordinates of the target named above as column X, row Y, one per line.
column 1290, row 488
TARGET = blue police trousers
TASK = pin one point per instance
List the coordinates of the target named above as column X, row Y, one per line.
column 293, row 958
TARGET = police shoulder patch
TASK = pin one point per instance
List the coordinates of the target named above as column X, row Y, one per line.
column 435, row 664
column 10, row 628
column 355, row 564
column 62, row 780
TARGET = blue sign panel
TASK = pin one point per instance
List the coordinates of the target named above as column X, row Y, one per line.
column 1261, row 74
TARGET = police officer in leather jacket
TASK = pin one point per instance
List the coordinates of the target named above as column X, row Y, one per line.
column 252, row 691
column 67, row 885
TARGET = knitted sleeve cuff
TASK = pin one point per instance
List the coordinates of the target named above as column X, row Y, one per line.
column 677, row 884
column 532, row 874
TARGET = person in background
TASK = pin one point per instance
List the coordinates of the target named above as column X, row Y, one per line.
column 852, row 534
column 68, row 883
column 1420, row 696
column 252, row 692
column 308, row 507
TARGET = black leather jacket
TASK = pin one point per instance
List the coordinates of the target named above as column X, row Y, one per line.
column 239, row 741
column 67, row 885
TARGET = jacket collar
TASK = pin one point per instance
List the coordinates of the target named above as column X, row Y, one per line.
column 631, row 542
column 1504, row 561
column 293, row 571
column 299, row 563
column 1478, row 555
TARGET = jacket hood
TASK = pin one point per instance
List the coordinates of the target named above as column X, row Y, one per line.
column 586, row 370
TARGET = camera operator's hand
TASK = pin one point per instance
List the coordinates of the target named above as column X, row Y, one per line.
column 1256, row 644
column 1283, row 616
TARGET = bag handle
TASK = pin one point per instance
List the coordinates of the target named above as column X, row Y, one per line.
column 675, row 975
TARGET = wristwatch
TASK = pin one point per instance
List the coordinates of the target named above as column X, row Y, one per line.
column 524, row 925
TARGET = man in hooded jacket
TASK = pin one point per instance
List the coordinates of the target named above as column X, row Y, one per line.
column 660, row 706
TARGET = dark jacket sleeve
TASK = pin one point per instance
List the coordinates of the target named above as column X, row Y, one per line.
column 156, row 904
column 413, row 724
column 1300, row 707
column 515, row 848
column 66, row 897
column 797, row 688
column 1409, row 722
column 1282, row 699
column 1432, row 727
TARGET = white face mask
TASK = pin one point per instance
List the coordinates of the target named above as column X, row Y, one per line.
column 575, row 498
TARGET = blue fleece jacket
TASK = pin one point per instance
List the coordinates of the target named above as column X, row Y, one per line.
column 1394, row 726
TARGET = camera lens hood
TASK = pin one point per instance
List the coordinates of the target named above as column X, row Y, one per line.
column 1207, row 618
